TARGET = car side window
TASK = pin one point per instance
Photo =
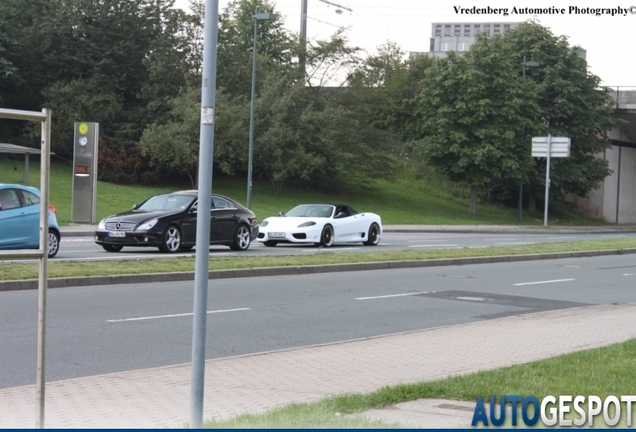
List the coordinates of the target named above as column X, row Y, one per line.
column 220, row 203
column 9, row 199
column 341, row 212
column 30, row 198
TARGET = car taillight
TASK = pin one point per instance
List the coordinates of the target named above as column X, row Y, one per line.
column 52, row 208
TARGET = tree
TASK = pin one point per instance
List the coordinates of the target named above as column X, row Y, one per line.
column 236, row 42
column 104, row 60
column 572, row 103
column 473, row 110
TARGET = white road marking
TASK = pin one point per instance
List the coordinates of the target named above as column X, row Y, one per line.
column 174, row 315
column 628, row 274
column 500, row 239
column 391, row 295
column 426, row 240
column 436, row 245
column 561, row 237
column 515, row 243
column 544, row 282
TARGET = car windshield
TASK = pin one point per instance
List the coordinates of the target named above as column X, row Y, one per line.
column 311, row 210
column 167, row 202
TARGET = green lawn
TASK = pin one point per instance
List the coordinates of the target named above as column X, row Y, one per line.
column 404, row 200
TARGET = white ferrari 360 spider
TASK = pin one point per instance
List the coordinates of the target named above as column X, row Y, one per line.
column 321, row 224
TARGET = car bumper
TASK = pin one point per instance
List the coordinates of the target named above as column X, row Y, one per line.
column 130, row 239
column 295, row 236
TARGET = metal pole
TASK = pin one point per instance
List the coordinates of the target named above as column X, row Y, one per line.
column 547, row 182
column 618, row 183
column 522, row 137
column 202, row 258
column 303, row 37
column 43, row 279
column 251, row 145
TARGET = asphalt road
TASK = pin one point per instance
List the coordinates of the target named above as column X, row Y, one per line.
column 101, row 329
column 84, row 248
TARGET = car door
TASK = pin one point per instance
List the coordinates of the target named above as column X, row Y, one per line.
column 19, row 224
column 346, row 225
column 223, row 220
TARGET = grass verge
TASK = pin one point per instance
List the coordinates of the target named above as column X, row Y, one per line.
column 605, row 371
column 21, row 271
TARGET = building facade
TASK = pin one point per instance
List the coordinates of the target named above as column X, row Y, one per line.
column 459, row 37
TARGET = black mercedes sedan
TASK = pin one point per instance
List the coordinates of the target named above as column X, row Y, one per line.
column 168, row 221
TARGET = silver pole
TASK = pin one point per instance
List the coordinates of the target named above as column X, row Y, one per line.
column 251, row 145
column 43, row 279
column 202, row 257
column 303, row 37
column 547, row 182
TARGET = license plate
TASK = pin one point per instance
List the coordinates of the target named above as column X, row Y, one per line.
column 116, row 234
column 277, row 235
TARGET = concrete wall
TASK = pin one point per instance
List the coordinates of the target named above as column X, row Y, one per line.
column 610, row 196
column 627, row 204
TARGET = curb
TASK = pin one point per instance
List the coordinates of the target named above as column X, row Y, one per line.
column 29, row 284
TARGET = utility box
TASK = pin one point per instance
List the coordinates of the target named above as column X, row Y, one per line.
column 85, row 139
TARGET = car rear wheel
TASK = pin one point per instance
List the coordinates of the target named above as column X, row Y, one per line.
column 171, row 239
column 270, row 243
column 373, row 237
column 242, row 238
column 53, row 243
column 112, row 248
column 326, row 238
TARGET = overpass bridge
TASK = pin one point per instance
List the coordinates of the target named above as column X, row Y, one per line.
column 615, row 198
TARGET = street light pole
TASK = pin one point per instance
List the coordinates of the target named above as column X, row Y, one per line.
column 257, row 17
column 525, row 64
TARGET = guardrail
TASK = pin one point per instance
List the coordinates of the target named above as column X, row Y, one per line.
column 624, row 96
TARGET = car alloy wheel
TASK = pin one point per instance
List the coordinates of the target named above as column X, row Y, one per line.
column 241, row 239
column 53, row 243
column 171, row 240
column 326, row 239
column 373, row 237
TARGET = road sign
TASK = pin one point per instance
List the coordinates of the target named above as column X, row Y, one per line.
column 559, row 147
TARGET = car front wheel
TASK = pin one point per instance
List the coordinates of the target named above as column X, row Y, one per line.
column 326, row 238
column 242, row 239
column 112, row 248
column 53, row 243
column 373, row 237
column 171, row 240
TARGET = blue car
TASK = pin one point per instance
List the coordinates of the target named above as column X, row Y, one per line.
column 20, row 219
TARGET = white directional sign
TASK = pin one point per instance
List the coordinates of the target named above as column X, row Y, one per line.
column 559, row 147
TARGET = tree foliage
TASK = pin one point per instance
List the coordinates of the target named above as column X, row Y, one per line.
column 572, row 103
column 474, row 111
column 478, row 113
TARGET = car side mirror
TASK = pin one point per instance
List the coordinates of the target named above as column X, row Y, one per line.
column 281, row 214
column 135, row 206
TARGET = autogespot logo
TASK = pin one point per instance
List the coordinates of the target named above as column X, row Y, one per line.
column 563, row 410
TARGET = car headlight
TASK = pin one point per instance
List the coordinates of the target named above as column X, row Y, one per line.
column 264, row 223
column 102, row 224
column 147, row 225
column 306, row 224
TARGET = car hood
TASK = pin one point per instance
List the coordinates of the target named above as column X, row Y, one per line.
column 139, row 215
column 275, row 223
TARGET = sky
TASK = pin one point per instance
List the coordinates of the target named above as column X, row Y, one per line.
column 608, row 39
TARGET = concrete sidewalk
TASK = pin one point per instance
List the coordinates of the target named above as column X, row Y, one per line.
column 160, row 397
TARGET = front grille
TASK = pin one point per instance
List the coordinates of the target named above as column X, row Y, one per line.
column 120, row 226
